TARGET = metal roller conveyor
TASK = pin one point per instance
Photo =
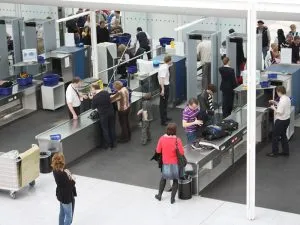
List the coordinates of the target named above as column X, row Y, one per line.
column 210, row 159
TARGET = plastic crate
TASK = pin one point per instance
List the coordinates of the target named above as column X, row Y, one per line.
column 265, row 84
column 51, row 80
column 6, row 91
column 165, row 41
column 122, row 39
column 272, row 76
column 25, row 81
column 132, row 69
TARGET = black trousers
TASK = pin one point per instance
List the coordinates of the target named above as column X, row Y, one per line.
column 227, row 104
column 162, row 185
column 77, row 111
column 279, row 134
column 163, row 104
column 147, row 48
column 107, row 124
column 124, row 123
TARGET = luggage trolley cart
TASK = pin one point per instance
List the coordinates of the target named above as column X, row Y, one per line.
column 16, row 173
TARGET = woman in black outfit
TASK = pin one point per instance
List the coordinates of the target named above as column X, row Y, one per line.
column 87, row 36
column 228, row 84
column 65, row 190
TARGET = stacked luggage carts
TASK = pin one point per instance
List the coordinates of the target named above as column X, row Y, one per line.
column 19, row 170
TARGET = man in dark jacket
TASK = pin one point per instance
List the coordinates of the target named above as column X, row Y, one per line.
column 143, row 40
column 228, row 84
column 266, row 38
column 207, row 103
column 102, row 33
column 295, row 50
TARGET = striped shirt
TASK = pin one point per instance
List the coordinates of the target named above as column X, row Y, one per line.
column 210, row 102
column 189, row 116
column 122, row 99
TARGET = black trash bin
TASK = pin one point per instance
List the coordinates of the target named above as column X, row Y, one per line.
column 45, row 162
column 194, row 177
column 185, row 188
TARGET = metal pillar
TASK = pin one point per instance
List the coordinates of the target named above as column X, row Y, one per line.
column 4, row 68
column 94, row 44
column 251, row 109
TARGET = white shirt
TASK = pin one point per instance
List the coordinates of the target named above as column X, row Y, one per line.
column 204, row 51
column 163, row 72
column 283, row 110
column 72, row 96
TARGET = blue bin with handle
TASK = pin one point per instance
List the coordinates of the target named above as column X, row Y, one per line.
column 51, row 80
column 165, row 41
column 6, row 91
column 25, row 81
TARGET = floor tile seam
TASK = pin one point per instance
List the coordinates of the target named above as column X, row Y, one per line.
column 212, row 213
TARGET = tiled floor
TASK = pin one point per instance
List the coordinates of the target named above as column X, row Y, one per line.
column 108, row 203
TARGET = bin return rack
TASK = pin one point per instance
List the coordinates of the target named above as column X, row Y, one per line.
column 16, row 173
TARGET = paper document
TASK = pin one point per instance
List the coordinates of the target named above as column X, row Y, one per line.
column 286, row 56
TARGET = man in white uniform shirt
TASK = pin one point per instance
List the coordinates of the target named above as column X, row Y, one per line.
column 73, row 98
column 164, row 83
column 282, row 111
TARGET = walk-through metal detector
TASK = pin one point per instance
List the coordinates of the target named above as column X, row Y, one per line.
column 15, row 44
column 41, row 35
column 192, row 40
column 231, row 45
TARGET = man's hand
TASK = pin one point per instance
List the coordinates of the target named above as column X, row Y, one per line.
column 273, row 107
column 162, row 93
column 198, row 122
column 75, row 117
column 298, row 62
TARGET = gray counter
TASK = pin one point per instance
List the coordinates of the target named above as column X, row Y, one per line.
column 78, row 137
column 21, row 102
column 208, row 164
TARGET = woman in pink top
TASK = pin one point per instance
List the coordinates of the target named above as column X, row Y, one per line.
column 167, row 147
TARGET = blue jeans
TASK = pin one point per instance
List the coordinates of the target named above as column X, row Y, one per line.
column 191, row 137
column 65, row 214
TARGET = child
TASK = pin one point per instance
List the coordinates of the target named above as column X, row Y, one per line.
column 147, row 117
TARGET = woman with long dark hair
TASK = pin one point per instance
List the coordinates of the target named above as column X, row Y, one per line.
column 65, row 190
column 280, row 40
column 166, row 146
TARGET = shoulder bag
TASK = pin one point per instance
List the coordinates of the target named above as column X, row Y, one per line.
column 180, row 158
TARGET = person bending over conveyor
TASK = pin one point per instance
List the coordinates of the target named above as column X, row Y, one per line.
column 228, row 84
column 189, row 120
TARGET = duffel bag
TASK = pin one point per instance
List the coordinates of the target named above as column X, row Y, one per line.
column 213, row 132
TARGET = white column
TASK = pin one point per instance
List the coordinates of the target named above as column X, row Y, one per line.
column 251, row 109
column 94, row 44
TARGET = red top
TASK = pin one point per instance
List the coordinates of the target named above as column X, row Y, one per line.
column 166, row 145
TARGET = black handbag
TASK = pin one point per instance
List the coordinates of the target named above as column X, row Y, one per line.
column 94, row 115
column 180, row 158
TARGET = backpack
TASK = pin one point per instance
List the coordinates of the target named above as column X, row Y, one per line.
column 229, row 125
column 213, row 132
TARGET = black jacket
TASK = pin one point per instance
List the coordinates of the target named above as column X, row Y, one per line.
column 204, row 103
column 143, row 39
column 228, row 83
column 102, row 35
column 158, row 158
column 65, row 190
column 265, row 38
column 295, row 53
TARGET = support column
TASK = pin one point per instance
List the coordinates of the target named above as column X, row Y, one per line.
column 251, row 109
column 94, row 44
